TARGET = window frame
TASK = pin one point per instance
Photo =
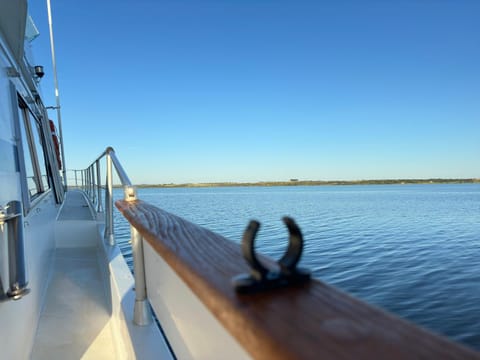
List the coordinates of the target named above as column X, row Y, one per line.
column 25, row 111
column 25, row 117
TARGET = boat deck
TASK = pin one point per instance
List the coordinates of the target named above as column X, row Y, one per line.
column 75, row 207
column 75, row 321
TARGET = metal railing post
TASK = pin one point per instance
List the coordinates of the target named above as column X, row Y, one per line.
column 142, row 314
column 109, row 203
column 82, row 173
column 99, row 189
column 76, row 180
column 87, row 177
column 89, row 184
column 94, row 185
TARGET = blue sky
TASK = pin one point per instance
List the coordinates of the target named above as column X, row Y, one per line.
column 230, row 90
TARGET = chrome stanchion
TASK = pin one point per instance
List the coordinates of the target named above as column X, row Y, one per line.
column 109, row 236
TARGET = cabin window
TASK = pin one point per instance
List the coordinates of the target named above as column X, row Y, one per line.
column 40, row 147
column 33, row 151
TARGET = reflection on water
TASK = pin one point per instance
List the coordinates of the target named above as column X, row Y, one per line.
column 410, row 249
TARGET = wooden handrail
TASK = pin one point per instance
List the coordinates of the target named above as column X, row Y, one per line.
column 310, row 321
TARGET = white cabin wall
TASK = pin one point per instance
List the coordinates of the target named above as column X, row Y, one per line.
column 20, row 318
column 191, row 328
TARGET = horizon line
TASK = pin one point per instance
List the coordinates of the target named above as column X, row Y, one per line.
column 299, row 182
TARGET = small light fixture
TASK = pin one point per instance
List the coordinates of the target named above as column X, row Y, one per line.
column 39, row 71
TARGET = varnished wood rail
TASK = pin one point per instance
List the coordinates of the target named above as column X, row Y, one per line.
column 311, row 321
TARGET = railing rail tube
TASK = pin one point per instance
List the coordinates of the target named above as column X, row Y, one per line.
column 124, row 179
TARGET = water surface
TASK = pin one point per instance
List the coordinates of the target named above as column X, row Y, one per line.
column 410, row 249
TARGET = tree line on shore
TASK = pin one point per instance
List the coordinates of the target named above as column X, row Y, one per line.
column 296, row 182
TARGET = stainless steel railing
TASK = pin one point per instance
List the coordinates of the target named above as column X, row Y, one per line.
column 90, row 181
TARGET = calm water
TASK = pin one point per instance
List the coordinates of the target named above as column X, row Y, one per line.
column 411, row 249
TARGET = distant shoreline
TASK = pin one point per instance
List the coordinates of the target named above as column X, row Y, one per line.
column 295, row 182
